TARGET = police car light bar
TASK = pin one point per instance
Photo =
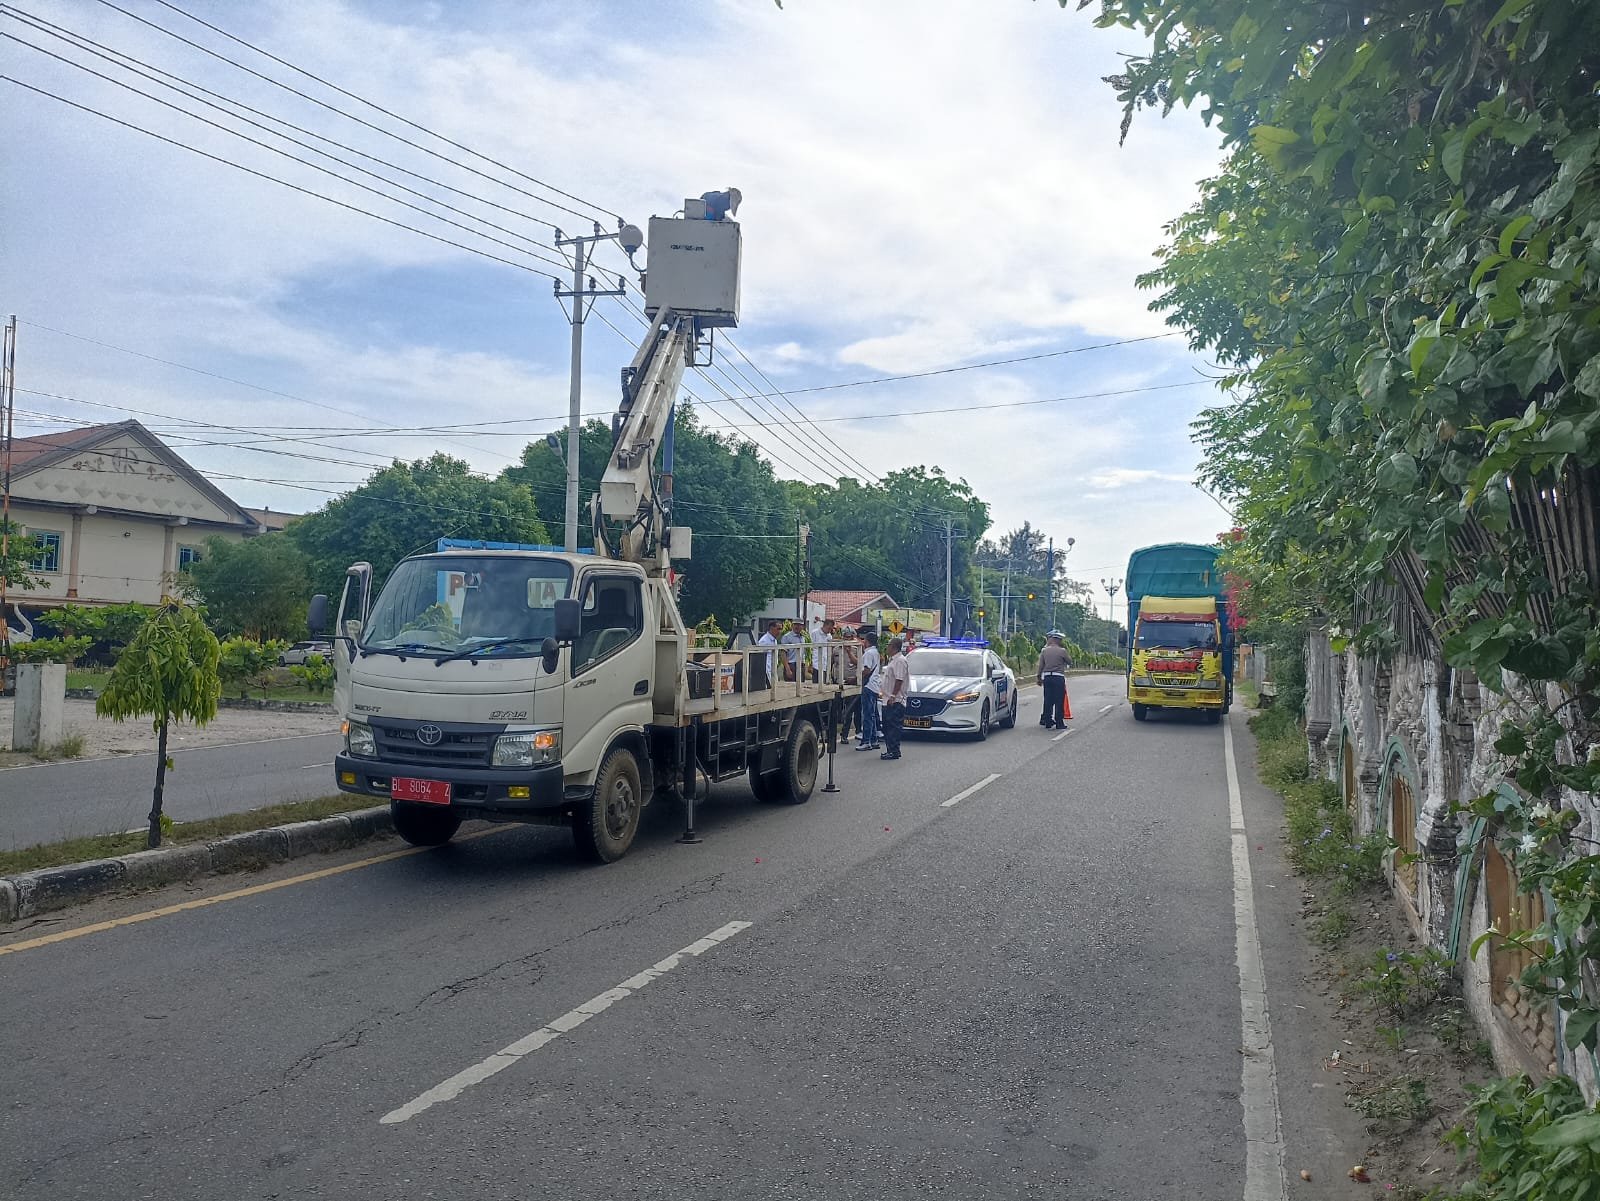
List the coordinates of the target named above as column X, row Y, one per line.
column 960, row 643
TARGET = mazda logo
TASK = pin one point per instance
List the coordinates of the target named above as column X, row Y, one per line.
column 916, row 703
column 429, row 734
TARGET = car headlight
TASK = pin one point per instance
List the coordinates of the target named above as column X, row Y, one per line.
column 528, row 748
column 358, row 740
column 962, row 698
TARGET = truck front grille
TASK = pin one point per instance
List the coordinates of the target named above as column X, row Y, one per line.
column 457, row 746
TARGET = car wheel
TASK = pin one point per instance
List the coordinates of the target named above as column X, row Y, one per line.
column 1140, row 712
column 603, row 830
column 1009, row 721
column 983, row 723
column 424, row 826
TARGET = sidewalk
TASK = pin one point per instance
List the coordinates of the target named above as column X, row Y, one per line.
column 102, row 737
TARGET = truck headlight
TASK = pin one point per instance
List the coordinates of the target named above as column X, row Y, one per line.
column 962, row 698
column 1211, row 683
column 358, row 740
column 1141, row 681
column 528, row 748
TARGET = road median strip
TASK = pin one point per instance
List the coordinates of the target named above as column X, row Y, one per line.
column 29, row 893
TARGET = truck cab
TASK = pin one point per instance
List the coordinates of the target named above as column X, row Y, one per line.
column 1175, row 659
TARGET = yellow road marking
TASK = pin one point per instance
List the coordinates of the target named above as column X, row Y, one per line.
column 237, row 894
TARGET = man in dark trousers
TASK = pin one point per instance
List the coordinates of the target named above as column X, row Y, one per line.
column 1052, row 677
column 896, row 686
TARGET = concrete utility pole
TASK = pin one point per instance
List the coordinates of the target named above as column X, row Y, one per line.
column 582, row 300
column 948, row 527
column 1112, row 587
column 8, row 405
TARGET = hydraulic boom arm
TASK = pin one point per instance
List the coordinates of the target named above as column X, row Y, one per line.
column 628, row 490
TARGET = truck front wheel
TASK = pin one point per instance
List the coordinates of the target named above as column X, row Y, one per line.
column 604, row 829
column 1140, row 712
column 423, row 826
column 797, row 770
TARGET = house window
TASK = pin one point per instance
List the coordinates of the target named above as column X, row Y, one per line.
column 49, row 558
column 188, row 555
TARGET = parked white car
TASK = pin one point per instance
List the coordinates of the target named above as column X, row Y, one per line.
column 959, row 686
column 301, row 651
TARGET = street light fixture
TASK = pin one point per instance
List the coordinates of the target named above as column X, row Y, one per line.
column 1112, row 587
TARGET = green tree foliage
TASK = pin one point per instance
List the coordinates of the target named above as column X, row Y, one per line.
column 891, row 535
column 1396, row 267
column 20, row 554
column 241, row 660
column 543, row 472
column 167, row 673
column 256, row 586
column 113, row 624
column 316, row 673
column 405, row 508
column 50, row 650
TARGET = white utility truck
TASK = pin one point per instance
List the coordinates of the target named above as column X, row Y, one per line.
column 525, row 684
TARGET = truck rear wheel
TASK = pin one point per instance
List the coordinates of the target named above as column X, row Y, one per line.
column 764, row 786
column 604, row 830
column 424, row 826
column 1140, row 712
column 797, row 769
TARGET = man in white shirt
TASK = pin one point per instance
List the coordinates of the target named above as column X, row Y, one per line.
column 770, row 638
column 871, row 683
column 792, row 638
column 896, row 687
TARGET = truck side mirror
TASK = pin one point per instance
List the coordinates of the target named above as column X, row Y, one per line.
column 569, row 620
column 550, row 655
column 317, row 614
column 1122, row 640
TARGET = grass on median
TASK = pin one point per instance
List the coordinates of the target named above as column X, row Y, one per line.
column 106, row 846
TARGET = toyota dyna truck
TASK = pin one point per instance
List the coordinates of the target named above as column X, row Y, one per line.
column 526, row 684
column 1179, row 639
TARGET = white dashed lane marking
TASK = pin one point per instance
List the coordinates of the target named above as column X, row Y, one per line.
column 507, row 1056
column 966, row 792
column 1108, row 708
column 1061, row 735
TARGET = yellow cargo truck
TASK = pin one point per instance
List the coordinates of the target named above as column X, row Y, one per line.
column 1179, row 644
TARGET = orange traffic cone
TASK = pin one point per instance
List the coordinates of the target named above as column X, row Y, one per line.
column 1066, row 704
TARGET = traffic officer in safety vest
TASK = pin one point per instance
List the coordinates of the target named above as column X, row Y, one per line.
column 1052, row 676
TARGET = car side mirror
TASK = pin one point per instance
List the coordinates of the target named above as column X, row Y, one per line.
column 568, row 620
column 317, row 614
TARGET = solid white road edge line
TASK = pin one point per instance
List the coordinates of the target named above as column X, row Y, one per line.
column 1061, row 735
column 1264, row 1174
column 504, row 1058
column 966, row 792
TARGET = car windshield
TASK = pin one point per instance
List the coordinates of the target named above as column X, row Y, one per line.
column 966, row 664
column 448, row 603
column 1176, row 635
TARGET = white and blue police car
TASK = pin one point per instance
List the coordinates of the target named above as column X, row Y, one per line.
column 959, row 686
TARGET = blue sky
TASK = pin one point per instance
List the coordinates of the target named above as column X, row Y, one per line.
column 927, row 183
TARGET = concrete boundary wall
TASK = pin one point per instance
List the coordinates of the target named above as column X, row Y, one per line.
column 1416, row 719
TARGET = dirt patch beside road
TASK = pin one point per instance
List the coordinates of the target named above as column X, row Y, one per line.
column 101, row 736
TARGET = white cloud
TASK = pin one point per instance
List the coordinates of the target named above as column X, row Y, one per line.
column 1124, row 477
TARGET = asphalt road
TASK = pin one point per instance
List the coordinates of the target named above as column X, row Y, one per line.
column 1031, row 992
column 73, row 799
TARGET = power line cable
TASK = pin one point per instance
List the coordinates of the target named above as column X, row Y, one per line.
column 274, row 179
column 389, row 133
column 305, row 162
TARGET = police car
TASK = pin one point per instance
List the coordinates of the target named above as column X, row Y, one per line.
column 959, row 686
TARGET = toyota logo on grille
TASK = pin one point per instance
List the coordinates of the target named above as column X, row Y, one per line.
column 429, row 734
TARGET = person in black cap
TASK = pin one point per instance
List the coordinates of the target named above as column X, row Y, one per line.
column 1052, row 677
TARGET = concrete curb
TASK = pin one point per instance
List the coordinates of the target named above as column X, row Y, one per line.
column 49, row 888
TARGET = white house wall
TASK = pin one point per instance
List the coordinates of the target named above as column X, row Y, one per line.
column 122, row 474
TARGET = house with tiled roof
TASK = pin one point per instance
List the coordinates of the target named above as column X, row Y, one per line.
column 846, row 607
column 117, row 514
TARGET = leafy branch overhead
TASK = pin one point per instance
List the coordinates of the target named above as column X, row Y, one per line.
column 1397, row 268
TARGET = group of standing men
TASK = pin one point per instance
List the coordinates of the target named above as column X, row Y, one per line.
column 881, row 709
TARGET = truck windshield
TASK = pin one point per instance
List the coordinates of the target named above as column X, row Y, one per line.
column 441, row 604
column 1177, row 635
